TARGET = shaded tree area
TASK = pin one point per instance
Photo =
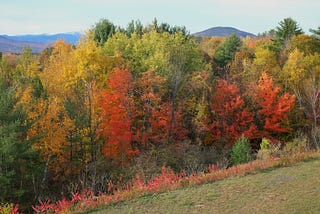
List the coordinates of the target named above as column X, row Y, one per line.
column 20, row 166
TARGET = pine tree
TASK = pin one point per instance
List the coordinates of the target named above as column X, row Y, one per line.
column 17, row 157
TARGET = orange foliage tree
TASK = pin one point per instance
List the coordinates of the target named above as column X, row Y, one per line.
column 162, row 120
column 230, row 118
column 51, row 125
column 149, row 91
column 117, row 116
column 273, row 107
column 153, row 112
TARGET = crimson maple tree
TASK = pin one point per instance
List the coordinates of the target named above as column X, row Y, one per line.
column 160, row 123
column 231, row 119
column 273, row 106
column 153, row 113
column 117, row 116
column 149, row 92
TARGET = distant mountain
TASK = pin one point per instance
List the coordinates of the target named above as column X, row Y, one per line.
column 12, row 46
column 37, row 42
column 46, row 38
column 223, row 32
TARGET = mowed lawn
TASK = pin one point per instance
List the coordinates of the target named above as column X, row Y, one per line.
column 293, row 189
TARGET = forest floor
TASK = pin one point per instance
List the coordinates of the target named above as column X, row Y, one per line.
column 291, row 189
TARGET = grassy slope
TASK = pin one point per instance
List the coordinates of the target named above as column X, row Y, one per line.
column 294, row 189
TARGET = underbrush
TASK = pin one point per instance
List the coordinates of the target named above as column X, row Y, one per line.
column 147, row 175
column 169, row 180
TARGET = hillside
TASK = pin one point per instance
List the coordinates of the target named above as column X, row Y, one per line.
column 223, row 32
column 294, row 189
column 46, row 38
column 14, row 44
column 11, row 46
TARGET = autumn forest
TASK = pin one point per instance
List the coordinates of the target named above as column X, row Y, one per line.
column 127, row 101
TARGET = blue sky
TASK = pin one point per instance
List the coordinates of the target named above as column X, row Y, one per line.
column 56, row 16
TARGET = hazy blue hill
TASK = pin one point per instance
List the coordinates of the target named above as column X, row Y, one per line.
column 46, row 38
column 37, row 42
column 12, row 46
column 223, row 32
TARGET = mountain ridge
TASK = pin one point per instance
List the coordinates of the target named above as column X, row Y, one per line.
column 37, row 42
column 46, row 38
column 223, row 32
column 12, row 46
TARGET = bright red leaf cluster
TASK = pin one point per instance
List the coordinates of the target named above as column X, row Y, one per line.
column 273, row 106
column 146, row 120
column 231, row 119
column 117, row 114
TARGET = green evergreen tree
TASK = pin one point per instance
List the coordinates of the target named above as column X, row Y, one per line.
column 17, row 158
column 103, row 30
column 284, row 32
column 241, row 151
column 225, row 53
column 134, row 27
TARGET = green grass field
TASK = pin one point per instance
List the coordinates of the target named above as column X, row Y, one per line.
column 293, row 189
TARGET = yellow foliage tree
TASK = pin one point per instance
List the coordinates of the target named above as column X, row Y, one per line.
column 293, row 73
column 51, row 124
